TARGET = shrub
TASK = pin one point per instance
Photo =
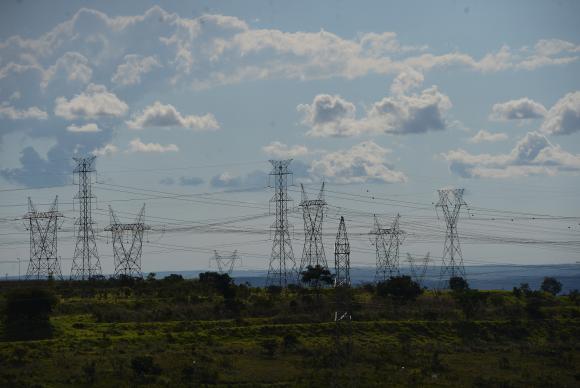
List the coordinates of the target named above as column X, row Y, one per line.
column 402, row 288
column 316, row 276
column 551, row 285
column 457, row 283
column 144, row 365
column 27, row 313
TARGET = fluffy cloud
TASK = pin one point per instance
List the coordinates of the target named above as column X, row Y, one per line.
column 365, row 162
column 521, row 109
column 401, row 114
column 202, row 52
column 280, row 150
column 72, row 66
column 94, row 102
column 136, row 145
column 532, row 155
column 564, row 117
column 133, row 67
column 90, row 127
column 406, row 80
column 226, row 180
column 11, row 113
column 159, row 115
column 107, row 149
column 218, row 49
column 485, row 136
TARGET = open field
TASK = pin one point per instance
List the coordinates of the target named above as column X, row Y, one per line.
column 185, row 332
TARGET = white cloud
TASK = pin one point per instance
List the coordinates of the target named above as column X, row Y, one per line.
column 532, row 155
column 402, row 114
column 72, row 66
column 94, row 102
column 133, row 67
column 218, row 49
column 521, row 109
column 485, row 136
column 226, row 179
column 136, row 145
column 107, row 149
column 159, row 115
column 564, row 117
column 364, row 162
column 280, row 150
column 407, row 80
column 11, row 113
column 90, row 127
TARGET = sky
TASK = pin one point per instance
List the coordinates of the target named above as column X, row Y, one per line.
column 183, row 103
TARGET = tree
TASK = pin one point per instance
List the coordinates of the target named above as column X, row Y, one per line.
column 551, row 285
column 27, row 313
column 317, row 276
column 457, row 283
column 402, row 288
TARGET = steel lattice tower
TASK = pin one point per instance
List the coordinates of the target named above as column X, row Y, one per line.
column 451, row 201
column 226, row 264
column 342, row 314
column 387, row 242
column 313, row 215
column 86, row 263
column 43, row 227
column 418, row 271
column 127, row 244
column 282, row 269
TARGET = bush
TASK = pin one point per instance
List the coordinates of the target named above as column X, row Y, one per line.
column 402, row 288
column 27, row 313
column 316, row 276
column 457, row 283
column 551, row 285
column 144, row 365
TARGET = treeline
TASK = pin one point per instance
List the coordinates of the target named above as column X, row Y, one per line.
column 27, row 306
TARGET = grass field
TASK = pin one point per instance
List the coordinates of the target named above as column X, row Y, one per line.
column 185, row 333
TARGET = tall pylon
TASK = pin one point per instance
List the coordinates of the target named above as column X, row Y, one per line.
column 86, row 264
column 418, row 271
column 127, row 244
column 43, row 227
column 450, row 202
column 226, row 264
column 313, row 214
column 343, row 310
column 282, row 268
column 387, row 242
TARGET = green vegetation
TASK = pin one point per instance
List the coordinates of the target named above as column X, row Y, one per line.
column 178, row 332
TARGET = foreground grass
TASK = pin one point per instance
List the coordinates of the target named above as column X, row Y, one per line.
column 277, row 348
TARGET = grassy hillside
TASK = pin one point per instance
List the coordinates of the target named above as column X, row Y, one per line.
column 178, row 332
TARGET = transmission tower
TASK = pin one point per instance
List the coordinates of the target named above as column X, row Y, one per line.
column 282, row 269
column 387, row 242
column 127, row 244
column 43, row 227
column 313, row 215
column 226, row 264
column 450, row 202
column 86, row 263
column 418, row 271
column 342, row 315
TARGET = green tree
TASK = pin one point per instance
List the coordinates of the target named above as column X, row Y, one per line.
column 27, row 313
column 316, row 276
column 457, row 283
column 551, row 285
column 402, row 288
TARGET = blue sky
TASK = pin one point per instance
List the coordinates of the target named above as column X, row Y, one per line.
column 385, row 101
